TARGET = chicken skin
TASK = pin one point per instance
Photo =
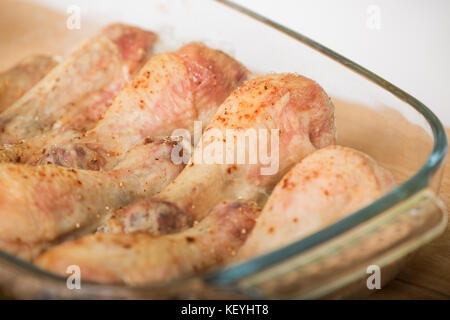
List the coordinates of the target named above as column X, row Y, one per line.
column 17, row 80
column 140, row 258
column 171, row 92
column 42, row 205
column 326, row 186
column 296, row 106
column 142, row 168
column 85, row 193
column 99, row 68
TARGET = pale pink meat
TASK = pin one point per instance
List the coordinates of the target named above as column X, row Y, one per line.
column 137, row 259
column 295, row 105
column 17, row 80
column 103, row 64
column 42, row 205
column 170, row 92
column 326, row 186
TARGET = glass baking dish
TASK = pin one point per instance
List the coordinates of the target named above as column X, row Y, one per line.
column 372, row 115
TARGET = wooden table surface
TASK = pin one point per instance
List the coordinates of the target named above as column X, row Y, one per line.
column 427, row 275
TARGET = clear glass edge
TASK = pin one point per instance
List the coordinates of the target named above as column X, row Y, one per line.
column 426, row 195
column 226, row 276
column 231, row 274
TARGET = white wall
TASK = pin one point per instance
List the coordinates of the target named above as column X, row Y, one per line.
column 411, row 49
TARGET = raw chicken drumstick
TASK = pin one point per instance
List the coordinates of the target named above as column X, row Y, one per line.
column 140, row 258
column 155, row 176
column 27, row 151
column 17, row 80
column 295, row 105
column 171, row 91
column 82, row 113
column 101, row 66
column 326, row 186
column 42, row 205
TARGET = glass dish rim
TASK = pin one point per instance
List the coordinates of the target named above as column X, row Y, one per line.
column 419, row 180
column 230, row 274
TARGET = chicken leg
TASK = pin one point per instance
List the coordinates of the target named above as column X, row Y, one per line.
column 140, row 258
column 171, row 91
column 326, row 186
column 295, row 105
column 22, row 77
column 41, row 205
column 102, row 64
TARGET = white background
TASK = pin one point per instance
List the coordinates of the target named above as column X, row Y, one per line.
column 411, row 49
